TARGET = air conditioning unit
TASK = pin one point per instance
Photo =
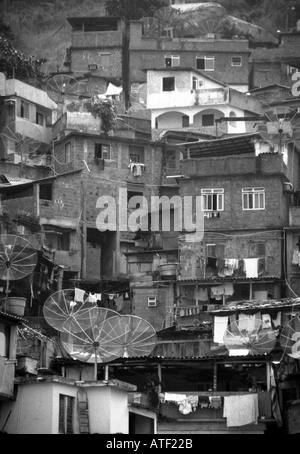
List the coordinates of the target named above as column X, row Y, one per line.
column 152, row 301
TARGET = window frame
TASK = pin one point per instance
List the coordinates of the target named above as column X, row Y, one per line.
column 205, row 61
column 102, row 151
column 240, row 59
column 39, row 119
column 25, row 108
column 252, row 191
column 208, row 115
column 168, row 80
column 136, row 151
column 216, row 194
column 173, row 59
column 67, row 152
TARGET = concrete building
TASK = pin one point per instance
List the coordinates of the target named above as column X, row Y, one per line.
column 27, row 114
column 184, row 98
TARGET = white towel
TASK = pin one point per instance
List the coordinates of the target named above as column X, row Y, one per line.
column 79, row 295
column 241, row 410
column 251, row 267
column 92, row 298
column 220, row 326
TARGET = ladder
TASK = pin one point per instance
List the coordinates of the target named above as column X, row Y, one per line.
column 83, row 412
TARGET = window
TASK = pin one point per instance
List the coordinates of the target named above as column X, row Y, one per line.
column 136, row 154
column 168, row 84
column 174, row 60
column 65, row 417
column 205, row 63
column 93, row 67
column 25, row 110
column 46, row 191
column 185, row 121
column 102, row 151
column 67, row 153
column 257, row 249
column 58, row 239
column 208, row 120
column 39, row 119
column 253, row 198
column 4, row 340
column 233, row 121
column 212, row 199
column 236, row 61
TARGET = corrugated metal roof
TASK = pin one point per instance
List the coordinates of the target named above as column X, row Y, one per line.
column 251, row 305
column 13, row 181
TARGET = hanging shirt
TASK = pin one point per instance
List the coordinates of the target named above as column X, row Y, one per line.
column 220, row 327
column 79, row 295
column 251, row 267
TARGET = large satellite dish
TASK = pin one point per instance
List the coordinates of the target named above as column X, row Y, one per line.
column 168, row 18
column 128, row 336
column 254, row 340
column 21, row 138
column 64, row 312
column 17, row 259
column 150, row 27
column 87, row 344
column 279, row 126
column 290, row 338
column 64, row 89
column 210, row 26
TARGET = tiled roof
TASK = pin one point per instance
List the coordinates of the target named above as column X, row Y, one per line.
column 8, row 316
column 212, row 280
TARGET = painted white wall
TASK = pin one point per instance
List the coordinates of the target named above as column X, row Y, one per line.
column 183, row 93
column 172, row 119
column 108, row 410
column 36, row 409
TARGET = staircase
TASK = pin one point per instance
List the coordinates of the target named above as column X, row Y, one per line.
column 83, row 412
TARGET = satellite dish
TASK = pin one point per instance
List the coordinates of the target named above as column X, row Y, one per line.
column 128, row 336
column 168, row 18
column 64, row 311
column 210, row 26
column 87, row 344
column 290, row 338
column 280, row 125
column 17, row 259
column 64, row 89
column 150, row 27
column 253, row 340
column 21, row 138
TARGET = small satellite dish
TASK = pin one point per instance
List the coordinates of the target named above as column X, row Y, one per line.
column 253, row 339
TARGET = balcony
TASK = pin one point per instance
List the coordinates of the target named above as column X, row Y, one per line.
column 186, row 98
column 77, row 121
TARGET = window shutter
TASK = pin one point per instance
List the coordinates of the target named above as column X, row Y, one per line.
column 61, row 418
column 69, row 415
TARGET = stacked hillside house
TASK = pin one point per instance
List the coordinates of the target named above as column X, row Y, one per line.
column 182, row 125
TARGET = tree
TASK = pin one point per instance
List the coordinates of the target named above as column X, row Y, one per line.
column 134, row 9
column 16, row 64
